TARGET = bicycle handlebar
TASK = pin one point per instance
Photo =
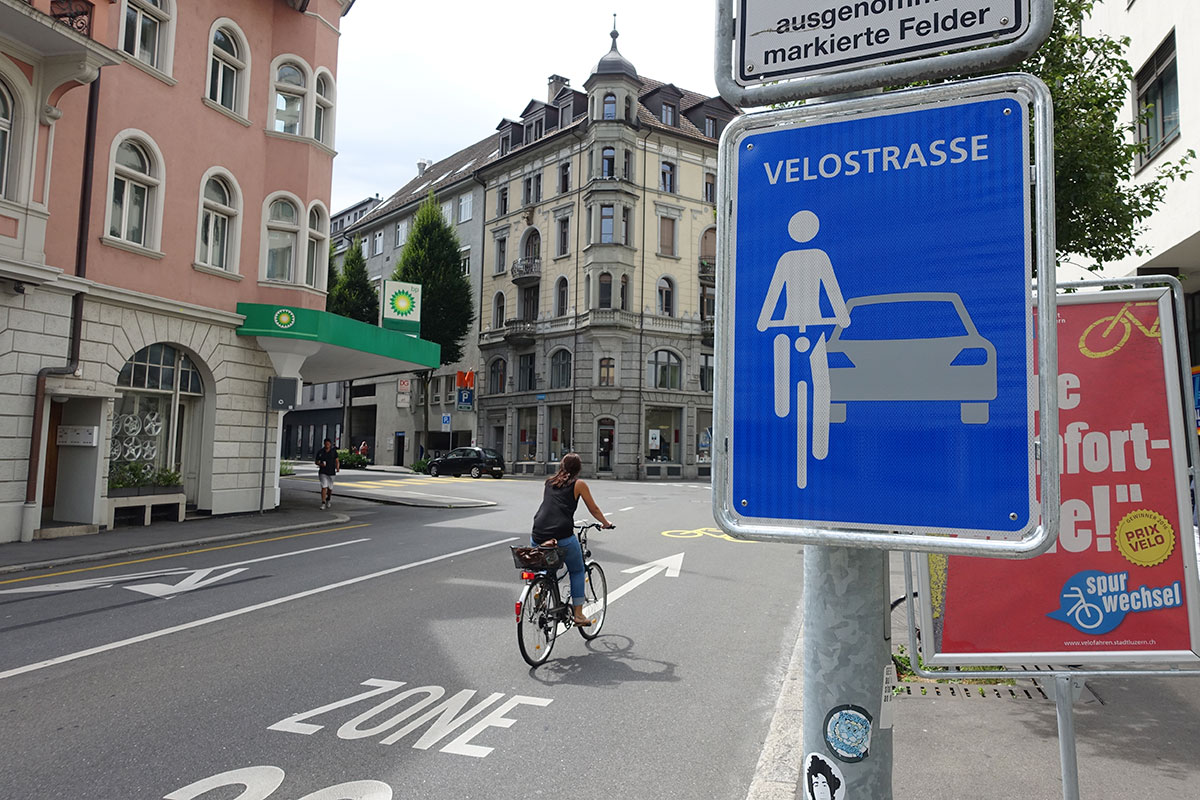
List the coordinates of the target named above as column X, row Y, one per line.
column 587, row 526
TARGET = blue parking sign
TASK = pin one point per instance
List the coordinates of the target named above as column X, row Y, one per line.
column 878, row 323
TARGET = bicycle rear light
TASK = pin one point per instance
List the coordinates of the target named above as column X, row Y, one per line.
column 518, row 609
column 528, row 576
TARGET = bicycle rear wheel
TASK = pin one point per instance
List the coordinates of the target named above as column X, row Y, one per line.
column 595, row 604
column 537, row 627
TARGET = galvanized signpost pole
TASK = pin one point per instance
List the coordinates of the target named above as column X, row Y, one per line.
column 844, row 659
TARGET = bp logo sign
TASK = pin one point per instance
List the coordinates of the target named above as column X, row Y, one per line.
column 285, row 318
column 402, row 303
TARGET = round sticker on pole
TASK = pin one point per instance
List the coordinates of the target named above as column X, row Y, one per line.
column 848, row 732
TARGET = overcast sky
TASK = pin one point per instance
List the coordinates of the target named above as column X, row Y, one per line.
column 425, row 79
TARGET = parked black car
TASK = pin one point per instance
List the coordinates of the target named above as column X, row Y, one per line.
column 473, row 461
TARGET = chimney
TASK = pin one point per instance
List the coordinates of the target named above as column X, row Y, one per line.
column 422, row 165
column 557, row 84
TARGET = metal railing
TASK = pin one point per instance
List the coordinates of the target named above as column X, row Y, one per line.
column 76, row 14
column 708, row 269
column 527, row 267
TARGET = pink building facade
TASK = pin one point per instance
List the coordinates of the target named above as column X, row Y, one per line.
column 166, row 173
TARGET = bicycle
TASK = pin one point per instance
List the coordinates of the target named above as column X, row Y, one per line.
column 1105, row 346
column 542, row 613
column 1087, row 615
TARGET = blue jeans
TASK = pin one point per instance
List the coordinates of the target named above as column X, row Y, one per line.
column 573, row 556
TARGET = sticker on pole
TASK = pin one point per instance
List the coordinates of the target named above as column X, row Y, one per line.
column 822, row 779
column 879, row 367
column 848, row 732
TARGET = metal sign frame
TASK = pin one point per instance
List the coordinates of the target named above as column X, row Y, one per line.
column 1034, row 95
column 840, row 79
column 1099, row 662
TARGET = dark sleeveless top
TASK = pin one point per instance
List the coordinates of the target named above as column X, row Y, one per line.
column 555, row 518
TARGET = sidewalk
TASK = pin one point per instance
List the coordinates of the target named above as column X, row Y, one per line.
column 299, row 510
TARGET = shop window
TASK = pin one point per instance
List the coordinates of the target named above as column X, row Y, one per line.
column 560, row 431
column 527, row 446
column 663, row 428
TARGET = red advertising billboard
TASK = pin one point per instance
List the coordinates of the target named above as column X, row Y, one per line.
column 1119, row 585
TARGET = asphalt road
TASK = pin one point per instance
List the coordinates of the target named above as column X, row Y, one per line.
column 380, row 657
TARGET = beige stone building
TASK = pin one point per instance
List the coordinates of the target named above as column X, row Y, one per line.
column 597, row 289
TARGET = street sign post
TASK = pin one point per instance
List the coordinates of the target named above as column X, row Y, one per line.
column 810, row 48
column 874, row 322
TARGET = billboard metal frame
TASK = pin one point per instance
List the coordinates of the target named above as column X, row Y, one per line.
column 1034, row 94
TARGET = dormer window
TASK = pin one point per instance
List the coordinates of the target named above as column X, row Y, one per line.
column 505, row 144
column 610, row 106
column 710, row 127
column 534, row 130
column 668, row 114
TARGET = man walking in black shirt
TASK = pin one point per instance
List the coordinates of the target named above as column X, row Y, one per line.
column 328, row 466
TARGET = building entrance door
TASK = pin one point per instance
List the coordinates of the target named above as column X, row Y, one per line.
column 398, row 459
column 606, row 441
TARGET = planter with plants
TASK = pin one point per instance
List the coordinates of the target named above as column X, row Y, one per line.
column 126, row 479
column 166, row 481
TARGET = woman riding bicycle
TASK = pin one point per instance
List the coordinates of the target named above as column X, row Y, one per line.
column 554, row 523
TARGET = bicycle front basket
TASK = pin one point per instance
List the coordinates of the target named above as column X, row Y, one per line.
column 536, row 557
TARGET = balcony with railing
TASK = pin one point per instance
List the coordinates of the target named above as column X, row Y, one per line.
column 708, row 269
column 526, row 270
column 707, row 331
column 520, row 331
column 75, row 14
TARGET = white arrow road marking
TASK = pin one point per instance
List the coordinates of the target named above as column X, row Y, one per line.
column 196, row 580
column 668, row 566
column 93, row 583
column 191, row 580
column 146, row 637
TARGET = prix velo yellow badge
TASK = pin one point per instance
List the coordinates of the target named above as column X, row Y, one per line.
column 1145, row 537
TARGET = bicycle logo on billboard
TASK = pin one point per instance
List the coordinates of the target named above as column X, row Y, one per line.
column 1095, row 602
column 1109, row 334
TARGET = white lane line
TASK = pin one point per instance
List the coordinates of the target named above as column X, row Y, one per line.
column 146, row 637
column 627, row 508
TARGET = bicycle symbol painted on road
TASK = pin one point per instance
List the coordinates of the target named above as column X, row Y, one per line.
column 697, row 533
column 1103, row 337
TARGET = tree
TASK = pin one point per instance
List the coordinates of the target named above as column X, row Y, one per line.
column 331, row 277
column 1099, row 210
column 354, row 296
column 431, row 258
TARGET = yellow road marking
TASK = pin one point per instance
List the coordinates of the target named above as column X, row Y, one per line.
column 185, row 553
column 697, row 533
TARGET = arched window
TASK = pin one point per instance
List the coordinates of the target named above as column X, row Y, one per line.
column 324, row 111
column 225, row 71
column 665, row 370
column 318, row 249
column 217, row 224
column 283, row 228
column 146, row 430
column 561, row 297
column 133, row 204
column 498, row 310
column 610, row 106
column 666, row 297
column 605, row 284
column 290, row 91
column 533, row 247
column 560, row 369
column 608, row 163
column 6, row 134
column 498, row 376
column 147, row 32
